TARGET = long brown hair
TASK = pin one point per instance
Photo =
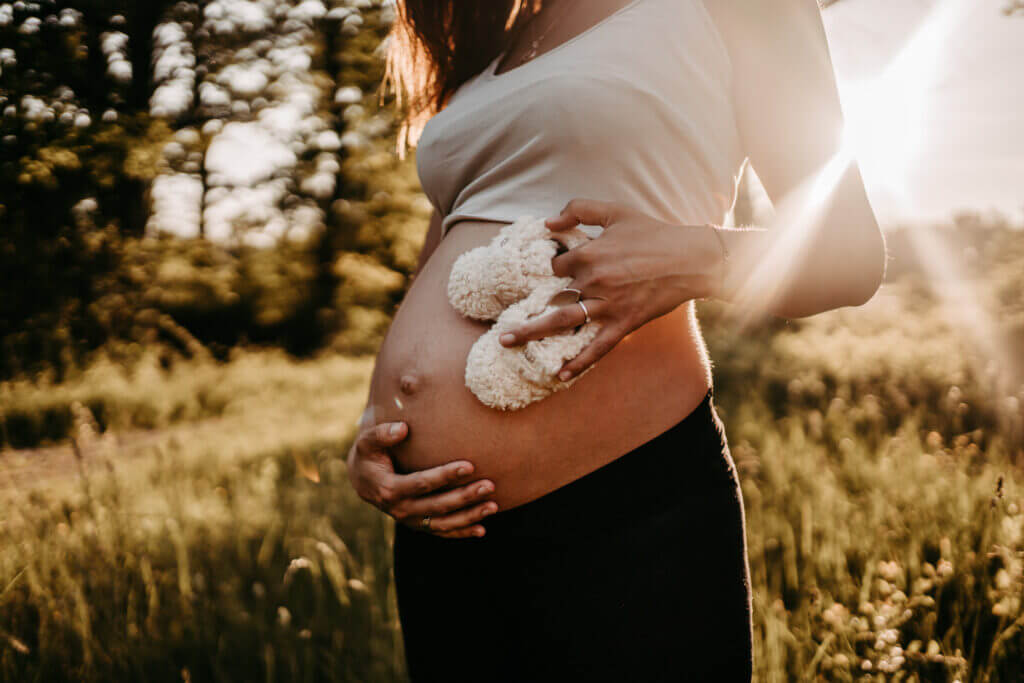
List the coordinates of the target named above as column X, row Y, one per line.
column 434, row 46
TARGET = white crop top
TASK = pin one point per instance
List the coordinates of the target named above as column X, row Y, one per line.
column 637, row 110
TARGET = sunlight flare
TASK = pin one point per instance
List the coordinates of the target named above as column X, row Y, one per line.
column 885, row 115
column 797, row 216
column 884, row 134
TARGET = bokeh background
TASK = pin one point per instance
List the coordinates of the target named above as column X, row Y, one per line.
column 204, row 232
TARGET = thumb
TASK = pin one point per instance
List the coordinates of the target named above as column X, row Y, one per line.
column 585, row 212
column 382, row 437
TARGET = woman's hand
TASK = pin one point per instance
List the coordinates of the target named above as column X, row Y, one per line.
column 638, row 269
column 409, row 498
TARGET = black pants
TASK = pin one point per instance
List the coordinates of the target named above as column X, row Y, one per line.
column 637, row 571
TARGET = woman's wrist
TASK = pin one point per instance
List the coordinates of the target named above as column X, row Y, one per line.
column 722, row 262
column 708, row 256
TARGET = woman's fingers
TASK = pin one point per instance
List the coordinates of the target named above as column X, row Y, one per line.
column 475, row 531
column 562, row 319
column 382, row 436
column 604, row 342
column 457, row 520
column 422, row 482
column 585, row 211
column 444, row 503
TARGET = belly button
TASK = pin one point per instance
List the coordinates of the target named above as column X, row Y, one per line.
column 409, row 384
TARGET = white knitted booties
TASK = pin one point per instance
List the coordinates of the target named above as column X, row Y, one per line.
column 510, row 281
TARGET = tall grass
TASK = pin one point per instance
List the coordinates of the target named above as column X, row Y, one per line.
column 880, row 459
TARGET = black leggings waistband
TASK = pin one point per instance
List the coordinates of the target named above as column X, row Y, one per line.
column 689, row 459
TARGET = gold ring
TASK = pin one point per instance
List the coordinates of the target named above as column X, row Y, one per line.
column 585, row 312
column 579, row 294
column 426, row 522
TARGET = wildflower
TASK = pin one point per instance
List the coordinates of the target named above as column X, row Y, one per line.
column 889, row 570
column 836, row 615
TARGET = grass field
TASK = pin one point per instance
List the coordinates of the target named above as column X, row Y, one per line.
column 195, row 523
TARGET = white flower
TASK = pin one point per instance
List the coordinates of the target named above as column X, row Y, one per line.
column 30, row 26
column 349, row 94
column 120, row 70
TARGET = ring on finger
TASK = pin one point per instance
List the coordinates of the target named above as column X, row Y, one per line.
column 578, row 293
column 586, row 312
column 560, row 296
column 425, row 523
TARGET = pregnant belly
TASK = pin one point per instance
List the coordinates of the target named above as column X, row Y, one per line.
column 650, row 381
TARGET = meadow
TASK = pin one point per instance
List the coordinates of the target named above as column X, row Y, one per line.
column 180, row 382
column 880, row 460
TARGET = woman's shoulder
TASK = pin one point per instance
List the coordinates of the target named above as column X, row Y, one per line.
column 761, row 33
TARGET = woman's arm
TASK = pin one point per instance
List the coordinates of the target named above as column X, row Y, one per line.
column 823, row 248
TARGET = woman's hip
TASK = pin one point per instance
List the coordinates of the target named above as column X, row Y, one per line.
column 641, row 560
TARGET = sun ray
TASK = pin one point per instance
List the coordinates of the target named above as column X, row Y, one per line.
column 883, row 133
column 797, row 215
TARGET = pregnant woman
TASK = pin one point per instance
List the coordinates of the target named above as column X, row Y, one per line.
column 598, row 534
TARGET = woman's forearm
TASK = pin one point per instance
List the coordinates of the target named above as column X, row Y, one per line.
column 815, row 255
column 762, row 276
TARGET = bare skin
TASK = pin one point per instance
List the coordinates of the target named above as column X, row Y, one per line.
column 638, row 279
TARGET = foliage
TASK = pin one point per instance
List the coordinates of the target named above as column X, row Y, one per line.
column 82, row 272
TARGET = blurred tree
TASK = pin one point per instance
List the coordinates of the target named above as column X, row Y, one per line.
column 79, row 151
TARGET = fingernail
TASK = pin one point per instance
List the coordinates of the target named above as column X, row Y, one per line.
column 478, row 532
column 462, row 471
column 564, row 375
column 491, row 509
column 484, row 488
column 507, row 338
column 396, row 427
